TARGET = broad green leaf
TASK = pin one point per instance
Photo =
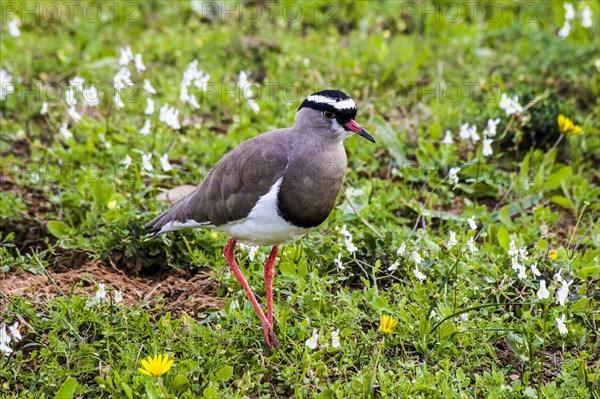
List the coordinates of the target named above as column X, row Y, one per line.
column 562, row 201
column 225, row 373
column 590, row 271
column 210, row 392
column 301, row 268
column 180, row 382
column 151, row 391
column 287, row 269
column 446, row 330
column 580, row 305
column 101, row 192
column 503, row 238
column 127, row 389
column 390, row 140
column 504, row 215
column 557, row 177
column 435, row 132
column 57, row 228
column 327, row 394
column 67, row 389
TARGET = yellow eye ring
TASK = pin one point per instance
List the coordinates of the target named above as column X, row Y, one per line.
column 328, row 115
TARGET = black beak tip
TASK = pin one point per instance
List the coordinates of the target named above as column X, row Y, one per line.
column 367, row 135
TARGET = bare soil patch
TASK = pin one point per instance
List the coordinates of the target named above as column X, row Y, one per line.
column 182, row 291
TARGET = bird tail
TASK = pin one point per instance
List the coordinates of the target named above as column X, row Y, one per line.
column 179, row 216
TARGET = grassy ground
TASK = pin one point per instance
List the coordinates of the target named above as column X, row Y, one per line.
column 473, row 319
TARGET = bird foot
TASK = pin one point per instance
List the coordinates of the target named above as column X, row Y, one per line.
column 270, row 337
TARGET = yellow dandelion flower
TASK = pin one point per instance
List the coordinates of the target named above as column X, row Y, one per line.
column 553, row 254
column 567, row 126
column 156, row 366
column 387, row 324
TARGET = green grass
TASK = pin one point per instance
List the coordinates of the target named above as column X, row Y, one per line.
column 489, row 334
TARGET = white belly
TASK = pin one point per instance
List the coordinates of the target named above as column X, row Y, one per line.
column 263, row 225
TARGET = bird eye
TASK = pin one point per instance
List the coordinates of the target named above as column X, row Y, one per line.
column 328, row 115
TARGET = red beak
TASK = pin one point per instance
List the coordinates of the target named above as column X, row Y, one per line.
column 358, row 129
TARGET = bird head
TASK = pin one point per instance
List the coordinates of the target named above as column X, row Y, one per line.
column 332, row 110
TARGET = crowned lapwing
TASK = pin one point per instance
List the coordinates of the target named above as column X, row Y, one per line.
column 273, row 188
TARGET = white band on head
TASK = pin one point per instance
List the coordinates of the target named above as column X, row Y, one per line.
column 337, row 104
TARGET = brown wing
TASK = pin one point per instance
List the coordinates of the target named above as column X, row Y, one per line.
column 235, row 184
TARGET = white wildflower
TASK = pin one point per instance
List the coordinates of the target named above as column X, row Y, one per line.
column 569, row 11
column 335, row 338
column 312, row 342
column 464, row 132
column 344, row 231
column 126, row 55
column 117, row 97
column 70, row 97
column 416, row 257
column 73, row 114
column 563, row 292
column 522, row 272
column 192, row 75
column 14, row 331
column 252, row 252
column 558, row 277
column 6, row 87
column 193, row 101
column 247, row 92
column 491, row 129
column 90, row 96
column 564, row 31
column 471, row 245
column 146, row 164
column 472, row 223
column 148, row 87
column 118, row 296
column 596, row 64
column 510, row 105
column 169, row 116
column 393, row 266
column 101, row 293
column 453, row 175
column 13, row 27
column 44, row 109
column 402, row 249
column 127, row 161
column 350, row 245
column 122, row 78
column 487, row 148
column 64, row 131
column 145, row 130
column 543, row 292
column 560, row 323
column 139, row 64
column 534, row 270
column 338, row 262
column 254, row 105
column 448, row 138
column 586, row 17
column 473, row 133
column 305, row 61
column 164, row 163
column 452, row 240
column 149, row 106
column 419, row 276
column 4, row 341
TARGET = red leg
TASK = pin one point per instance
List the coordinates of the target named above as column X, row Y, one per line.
column 270, row 338
column 269, row 272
